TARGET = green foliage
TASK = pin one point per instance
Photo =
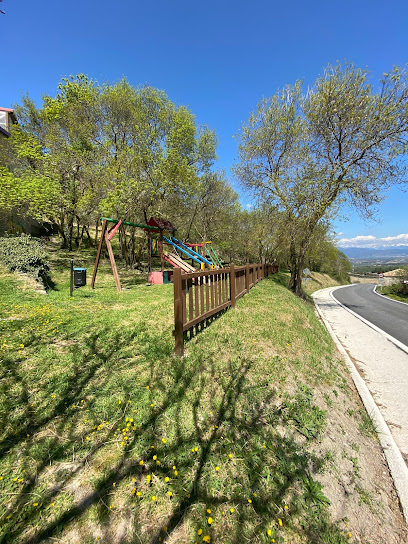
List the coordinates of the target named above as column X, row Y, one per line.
column 24, row 254
column 399, row 290
column 69, row 383
column 308, row 418
column 307, row 154
column 97, row 150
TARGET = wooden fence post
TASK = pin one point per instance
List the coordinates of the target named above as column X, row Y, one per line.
column 247, row 282
column 232, row 285
column 178, row 313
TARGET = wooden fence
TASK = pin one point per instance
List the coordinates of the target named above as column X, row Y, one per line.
column 202, row 294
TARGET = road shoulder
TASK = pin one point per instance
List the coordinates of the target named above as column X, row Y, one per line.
column 384, row 366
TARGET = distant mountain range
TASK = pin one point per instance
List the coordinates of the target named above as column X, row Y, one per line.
column 368, row 253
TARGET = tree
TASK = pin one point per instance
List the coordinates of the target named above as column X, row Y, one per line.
column 111, row 149
column 310, row 153
column 59, row 151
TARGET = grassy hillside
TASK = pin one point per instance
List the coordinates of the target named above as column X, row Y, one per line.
column 256, row 435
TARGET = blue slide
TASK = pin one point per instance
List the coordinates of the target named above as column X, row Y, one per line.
column 189, row 255
column 181, row 245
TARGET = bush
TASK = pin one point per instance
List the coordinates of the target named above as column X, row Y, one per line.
column 398, row 289
column 24, row 254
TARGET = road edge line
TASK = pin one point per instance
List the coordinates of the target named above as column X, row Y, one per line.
column 399, row 344
column 388, row 298
column 395, row 461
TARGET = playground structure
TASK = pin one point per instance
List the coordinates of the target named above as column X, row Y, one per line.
column 160, row 233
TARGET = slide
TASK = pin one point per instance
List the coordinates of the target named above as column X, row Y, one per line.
column 187, row 251
column 178, row 262
column 193, row 253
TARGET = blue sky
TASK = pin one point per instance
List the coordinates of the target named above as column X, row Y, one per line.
column 219, row 58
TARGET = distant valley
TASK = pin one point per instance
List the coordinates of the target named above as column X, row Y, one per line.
column 390, row 255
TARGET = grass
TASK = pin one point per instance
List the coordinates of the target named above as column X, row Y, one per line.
column 107, row 436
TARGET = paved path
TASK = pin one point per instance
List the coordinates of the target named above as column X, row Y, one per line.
column 382, row 364
column 386, row 314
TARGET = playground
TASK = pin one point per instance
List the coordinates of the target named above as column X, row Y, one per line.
column 108, row 437
column 161, row 243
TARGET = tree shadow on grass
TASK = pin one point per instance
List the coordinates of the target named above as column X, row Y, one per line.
column 247, row 418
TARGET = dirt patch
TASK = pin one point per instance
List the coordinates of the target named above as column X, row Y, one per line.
column 396, row 272
column 357, row 480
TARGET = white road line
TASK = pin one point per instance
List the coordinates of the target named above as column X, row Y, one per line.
column 396, row 464
column 399, row 344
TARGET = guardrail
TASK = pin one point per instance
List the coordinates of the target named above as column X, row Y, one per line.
column 202, row 294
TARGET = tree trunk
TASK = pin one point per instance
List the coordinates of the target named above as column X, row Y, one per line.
column 297, row 263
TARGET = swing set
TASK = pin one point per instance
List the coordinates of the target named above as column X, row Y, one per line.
column 202, row 255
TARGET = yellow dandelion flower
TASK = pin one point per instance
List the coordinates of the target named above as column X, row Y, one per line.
column 154, row 498
column 254, row 494
column 169, row 493
column 250, row 501
column 280, row 522
column 230, row 455
column 148, row 478
column 166, row 479
column 141, row 463
column 154, row 457
column 196, row 449
column 35, row 503
column 163, row 440
column 269, row 532
column 210, row 520
column 175, row 473
column 200, row 532
column 286, row 507
column 158, row 463
column 349, row 535
column 206, row 538
column 232, row 510
column 217, row 468
column 138, row 493
column 208, row 511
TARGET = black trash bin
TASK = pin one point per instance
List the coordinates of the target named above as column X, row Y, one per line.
column 79, row 277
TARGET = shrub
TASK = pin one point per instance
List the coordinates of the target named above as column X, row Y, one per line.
column 399, row 289
column 24, row 254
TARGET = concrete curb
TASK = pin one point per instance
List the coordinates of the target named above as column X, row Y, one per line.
column 399, row 344
column 396, row 464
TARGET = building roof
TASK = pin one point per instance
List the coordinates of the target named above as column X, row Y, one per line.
column 161, row 223
column 11, row 112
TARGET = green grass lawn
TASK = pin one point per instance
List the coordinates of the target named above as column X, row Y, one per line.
column 107, row 436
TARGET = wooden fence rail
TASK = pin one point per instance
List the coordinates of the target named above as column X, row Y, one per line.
column 202, row 294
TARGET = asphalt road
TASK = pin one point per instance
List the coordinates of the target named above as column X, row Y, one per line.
column 386, row 314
